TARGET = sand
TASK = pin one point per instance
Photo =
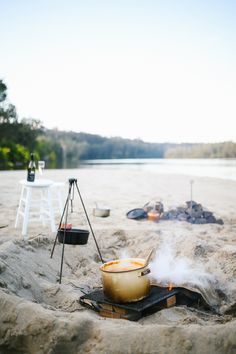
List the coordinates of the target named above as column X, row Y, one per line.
column 38, row 315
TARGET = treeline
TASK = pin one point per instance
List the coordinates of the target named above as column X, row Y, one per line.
column 82, row 146
column 211, row 151
column 20, row 137
column 62, row 149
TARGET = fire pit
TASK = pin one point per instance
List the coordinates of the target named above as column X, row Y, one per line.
column 158, row 299
column 193, row 213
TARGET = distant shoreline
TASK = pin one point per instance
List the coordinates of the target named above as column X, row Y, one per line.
column 214, row 168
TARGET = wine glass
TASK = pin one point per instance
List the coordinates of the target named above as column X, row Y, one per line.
column 41, row 166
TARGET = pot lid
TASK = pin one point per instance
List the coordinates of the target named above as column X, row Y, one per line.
column 136, row 214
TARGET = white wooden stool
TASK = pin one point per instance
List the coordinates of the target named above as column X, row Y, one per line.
column 35, row 204
column 57, row 191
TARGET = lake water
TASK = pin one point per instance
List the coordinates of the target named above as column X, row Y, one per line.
column 219, row 168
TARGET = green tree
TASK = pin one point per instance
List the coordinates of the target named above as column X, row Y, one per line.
column 17, row 139
column 3, row 91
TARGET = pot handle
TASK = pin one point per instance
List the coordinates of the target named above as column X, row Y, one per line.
column 145, row 272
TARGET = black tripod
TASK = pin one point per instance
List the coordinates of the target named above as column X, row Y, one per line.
column 70, row 197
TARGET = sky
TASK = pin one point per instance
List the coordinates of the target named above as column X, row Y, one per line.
column 156, row 70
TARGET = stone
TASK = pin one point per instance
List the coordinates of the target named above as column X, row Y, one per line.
column 182, row 217
column 165, row 216
column 181, row 209
column 192, row 213
column 191, row 203
column 211, row 219
column 200, row 221
column 219, row 221
column 207, row 214
column 191, row 220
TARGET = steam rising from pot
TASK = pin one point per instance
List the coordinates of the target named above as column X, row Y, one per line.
column 167, row 268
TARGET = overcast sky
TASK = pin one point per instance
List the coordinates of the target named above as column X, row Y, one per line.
column 158, row 70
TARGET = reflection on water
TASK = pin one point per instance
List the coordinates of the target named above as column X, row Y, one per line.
column 219, row 168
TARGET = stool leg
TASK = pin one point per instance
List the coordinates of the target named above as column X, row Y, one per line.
column 51, row 212
column 26, row 213
column 42, row 206
column 19, row 206
column 59, row 200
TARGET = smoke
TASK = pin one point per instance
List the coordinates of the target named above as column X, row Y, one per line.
column 124, row 254
column 168, row 268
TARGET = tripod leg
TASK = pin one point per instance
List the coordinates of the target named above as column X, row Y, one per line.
column 65, row 207
column 55, row 241
column 63, row 246
column 89, row 222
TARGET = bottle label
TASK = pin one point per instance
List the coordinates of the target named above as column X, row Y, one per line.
column 30, row 176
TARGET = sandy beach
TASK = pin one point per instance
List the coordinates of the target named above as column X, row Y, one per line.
column 38, row 315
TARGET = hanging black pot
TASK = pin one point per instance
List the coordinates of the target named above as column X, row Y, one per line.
column 73, row 236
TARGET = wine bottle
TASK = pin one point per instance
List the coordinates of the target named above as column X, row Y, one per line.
column 31, row 169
